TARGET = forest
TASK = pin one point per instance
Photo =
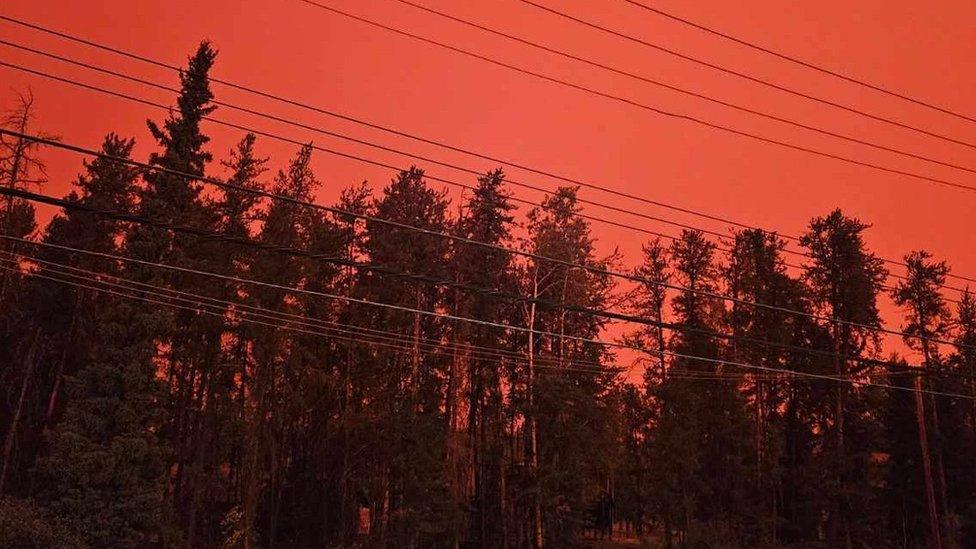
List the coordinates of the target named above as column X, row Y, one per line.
column 194, row 352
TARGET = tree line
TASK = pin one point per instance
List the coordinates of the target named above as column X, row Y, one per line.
column 253, row 394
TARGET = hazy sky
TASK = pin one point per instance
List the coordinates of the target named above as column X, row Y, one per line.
column 923, row 49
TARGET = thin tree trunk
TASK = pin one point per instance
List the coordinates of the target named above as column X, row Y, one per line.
column 53, row 399
column 8, row 444
column 13, row 177
column 936, row 432
column 415, row 365
column 537, row 503
column 255, row 436
column 936, row 537
column 839, row 519
column 499, row 448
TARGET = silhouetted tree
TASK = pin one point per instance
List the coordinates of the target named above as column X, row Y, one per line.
column 567, row 405
column 844, row 279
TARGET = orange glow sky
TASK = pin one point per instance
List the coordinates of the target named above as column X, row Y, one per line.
column 923, row 49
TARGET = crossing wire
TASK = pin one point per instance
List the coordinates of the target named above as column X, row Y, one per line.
column 683, row 356
column 798, row 61
column 202, row 233
column 448, row 146
column 380, row 268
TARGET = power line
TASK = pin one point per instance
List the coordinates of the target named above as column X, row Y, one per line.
column 350, row 156
column 644, row 106
column 237, row 307
column 341, row 136
column 202, row 301
column 185, row 270
column 698, row 95
column 197, row 232
column 807, row 64
column 390, row 130
column 386, row 270
column 490, row 292
column 225, row 307
column 207, row 308
column 748, row 77
column 357, row 141
column 441, row 144
column 338, row 135
column 623, row 345
column 385, row 165
column 367, row 143
column 203, row 304
column 383, row 128
column 422, row 278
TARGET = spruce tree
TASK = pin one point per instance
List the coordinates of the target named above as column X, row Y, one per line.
column 474, row 388
column 928, row 317
column 410, row 493
column 762, row 331
column 105, row 469
column 961, row 417
column 285, row 225
column 60, row 320
column 193, row 339
column 844, row 279
column 237, row 212
column 106, row 464
column 641, row 412
column 701, row 438
column 569, row 405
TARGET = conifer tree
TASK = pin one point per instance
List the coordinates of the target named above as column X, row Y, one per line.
column 762, row 334
column 285, row 225
column 961, row 417
column 106, row 464
column 105, row 470
column 844, row 279
column 927, row 317
column 905, row 498
column 700, row 440
column 650, row 303
column 58, row 324
column 411, row 497
column 193, row 338
column 474, row 388
column 312, row 384
column 567, row 403
column 21, row 168
column 350, row 439
column 362, row 410
column 237, row 209
column 642, row 411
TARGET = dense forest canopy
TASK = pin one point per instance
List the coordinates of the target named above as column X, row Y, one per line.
column 192, row 355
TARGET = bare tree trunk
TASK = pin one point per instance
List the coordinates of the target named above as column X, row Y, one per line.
column 937, row 432
column 460, row 456
column 21, row 163
column 252, row 459
column 497, row 434
column 8, row 444
column 927, row 467
column 533, row 434
column 12, row 177
column 53, row 398
column 839, row 519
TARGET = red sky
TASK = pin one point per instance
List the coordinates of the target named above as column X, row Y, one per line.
column 290, row 48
